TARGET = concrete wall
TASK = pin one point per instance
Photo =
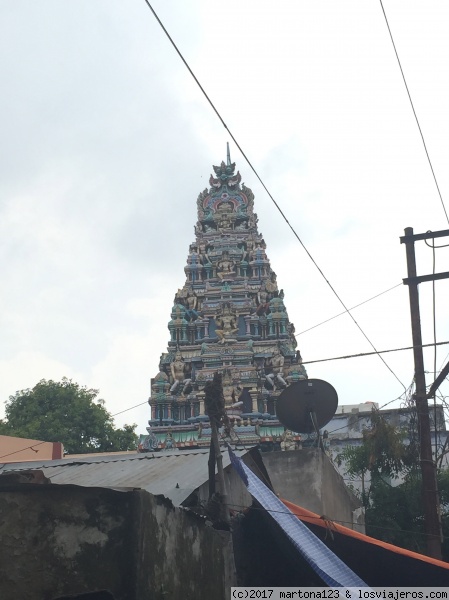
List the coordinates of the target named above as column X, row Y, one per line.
column 238, row 496
column 59, row 540
column 308, row 478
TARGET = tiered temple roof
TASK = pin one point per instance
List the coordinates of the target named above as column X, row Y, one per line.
column 230, row 317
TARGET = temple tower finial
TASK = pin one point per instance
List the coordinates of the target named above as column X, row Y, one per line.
column 228, row 154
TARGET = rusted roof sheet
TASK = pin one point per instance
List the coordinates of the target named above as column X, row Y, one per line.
column 174, row 474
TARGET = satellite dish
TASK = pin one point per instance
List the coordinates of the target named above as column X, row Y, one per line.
column 307, row 405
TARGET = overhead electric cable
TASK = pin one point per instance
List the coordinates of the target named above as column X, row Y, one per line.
column 363, row 415
column 344, row 312
column 268, row 192
column 308, row 362
column 443, row 363
column 130, row 408
column 414, row 111
column 23, row 449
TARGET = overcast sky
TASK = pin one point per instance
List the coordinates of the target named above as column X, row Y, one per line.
column 106, row 142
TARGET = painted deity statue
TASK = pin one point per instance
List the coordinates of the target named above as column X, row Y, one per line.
column 288, row 443
column 230, row 391
column 245, row 253
column 225, row 217
column 225, row 266
column 271, row 285
column 263, row 306
column 186, row 297
column 277, row 364
column 192, row 305
column 177, row 370
column 204, row 254
column 227, row 322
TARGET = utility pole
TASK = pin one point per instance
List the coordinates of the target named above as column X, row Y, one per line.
column 215, row 408
column 428, row 465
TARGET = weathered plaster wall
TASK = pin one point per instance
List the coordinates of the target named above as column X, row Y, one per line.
column 189, row 560
column 238, row 496
column 58, row 540
column 308, row 478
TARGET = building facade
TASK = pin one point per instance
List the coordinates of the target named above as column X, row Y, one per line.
column 15, row 449
column 229, row 316
column 349, row 422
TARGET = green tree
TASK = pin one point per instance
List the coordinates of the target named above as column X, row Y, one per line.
column 391, row 486
column 68, row 413
column 381, row 456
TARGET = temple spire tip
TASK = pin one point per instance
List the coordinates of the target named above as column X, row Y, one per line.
column 228, row 154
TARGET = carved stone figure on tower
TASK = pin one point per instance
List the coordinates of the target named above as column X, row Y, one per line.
column 225, row 266
column 277, row 364
column 192, row 303
column 245, row 254
column 225, row 216
column 177, row 370
column 231, row 392
column 288, row 443
column 263, row 306
column 271, row 285
column 227, row 322
column 204, row 254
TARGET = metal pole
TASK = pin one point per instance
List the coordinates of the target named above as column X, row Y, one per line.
column 428, row 467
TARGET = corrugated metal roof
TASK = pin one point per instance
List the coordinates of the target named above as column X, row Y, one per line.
column 174, row 474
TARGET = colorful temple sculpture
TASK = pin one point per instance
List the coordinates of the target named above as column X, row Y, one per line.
column 229, row 317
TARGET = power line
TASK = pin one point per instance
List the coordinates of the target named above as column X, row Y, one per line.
column 414, row 112
column 443, row 363
column 22, row 449
column 130, row 408
column 308, row 362
column 315, row 361
column 344, row 312
column 38, row 444
column 267, row 191
column 328, row 359
column 363, row 415
column 322, row 519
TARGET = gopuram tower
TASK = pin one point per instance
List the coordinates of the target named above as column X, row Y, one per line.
column 230, row 317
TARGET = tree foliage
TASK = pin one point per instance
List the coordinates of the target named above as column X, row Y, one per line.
column 68, row 413
column 388, row 467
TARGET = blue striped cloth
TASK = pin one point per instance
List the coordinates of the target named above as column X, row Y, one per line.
column 333, row 571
